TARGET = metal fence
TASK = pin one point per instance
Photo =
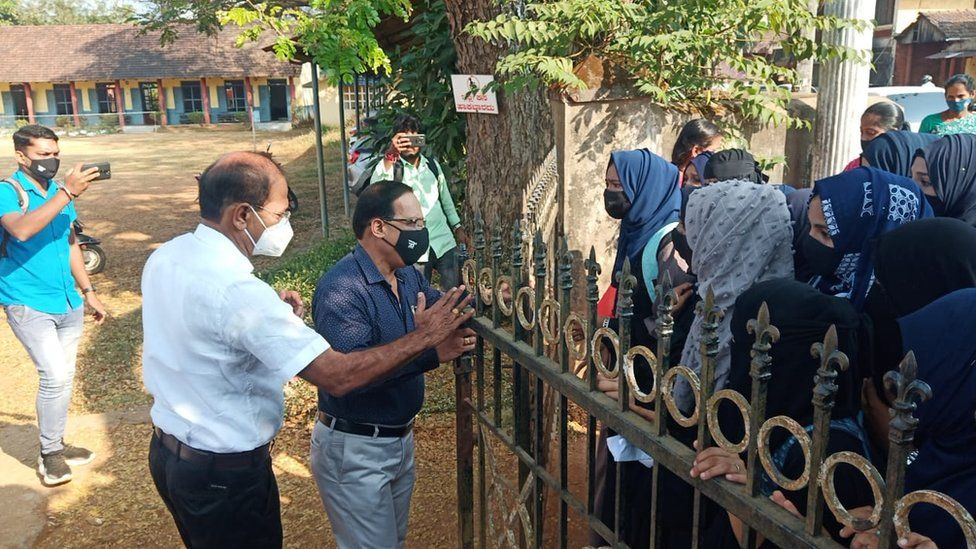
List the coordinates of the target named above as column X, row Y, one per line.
column 526, row 350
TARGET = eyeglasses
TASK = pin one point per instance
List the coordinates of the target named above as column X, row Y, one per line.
column 280, row 215
column 415, row 222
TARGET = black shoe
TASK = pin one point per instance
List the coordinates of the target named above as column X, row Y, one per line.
column 53, row 469
column 74, row 456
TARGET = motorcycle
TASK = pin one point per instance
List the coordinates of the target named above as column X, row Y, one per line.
column 91, row 252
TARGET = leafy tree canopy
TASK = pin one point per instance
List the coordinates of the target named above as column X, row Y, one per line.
column 693, row 54
column 64, row 12
column 338, row 34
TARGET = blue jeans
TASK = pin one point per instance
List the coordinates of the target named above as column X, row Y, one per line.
column 52, row 343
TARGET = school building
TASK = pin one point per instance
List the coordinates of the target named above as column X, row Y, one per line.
column 113, row 75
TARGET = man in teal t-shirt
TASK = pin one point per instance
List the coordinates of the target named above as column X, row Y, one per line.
column 404, row 163
column 41, row 269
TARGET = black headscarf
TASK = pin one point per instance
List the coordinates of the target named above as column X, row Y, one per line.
column 952, row 172
column 894, row 151
column 733, row 164
column 803, row 316
column 924, row 260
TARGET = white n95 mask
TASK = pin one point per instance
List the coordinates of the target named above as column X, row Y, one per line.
column 275, row 238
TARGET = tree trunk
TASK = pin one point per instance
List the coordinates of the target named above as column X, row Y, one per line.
column 503, row 150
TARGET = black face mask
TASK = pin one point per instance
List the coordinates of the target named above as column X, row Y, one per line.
column 680, row 241
column 616, row 203
column 938, row 206
column 45, row 168
column 411, row 245
column 864, row 144
column 822, row 259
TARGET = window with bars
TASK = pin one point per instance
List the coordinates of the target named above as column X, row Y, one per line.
column 62, row 99
column 192, row 98
column 372, row 92
column 236, row 96
column 105, row 94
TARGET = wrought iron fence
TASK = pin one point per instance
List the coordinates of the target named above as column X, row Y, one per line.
column 526, row 324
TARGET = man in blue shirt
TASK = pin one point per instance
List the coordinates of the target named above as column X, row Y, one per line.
column 362, row 444
column 41, row 268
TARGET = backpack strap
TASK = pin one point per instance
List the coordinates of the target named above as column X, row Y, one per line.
column 23, row 201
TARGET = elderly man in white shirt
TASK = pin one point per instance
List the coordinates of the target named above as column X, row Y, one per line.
column 220, row 345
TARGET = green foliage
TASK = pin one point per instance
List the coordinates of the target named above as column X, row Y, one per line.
column 194, row 117
column 20, row 123
column 421, row 85
column 694, row 55
column 338, row 34
column 64, row 121
column 64, row 12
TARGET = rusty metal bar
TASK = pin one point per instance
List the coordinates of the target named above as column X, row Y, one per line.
column 479, row 246
column 901, row 434
column 464, row 438
column 625, row 284
column 664, row 328
column 565, row 300
column 496, row 260
column 712, row 315
column 760, row 371
column 538, row 513
column 521, row 421
column 592, row 298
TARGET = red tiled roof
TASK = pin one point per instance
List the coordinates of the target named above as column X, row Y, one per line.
column 61, row 53
column 954, row 24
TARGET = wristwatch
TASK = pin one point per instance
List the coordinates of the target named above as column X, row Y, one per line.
column 90, row 289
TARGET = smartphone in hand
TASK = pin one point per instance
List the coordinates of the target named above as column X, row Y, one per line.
column 416, row 139
column 104, row 170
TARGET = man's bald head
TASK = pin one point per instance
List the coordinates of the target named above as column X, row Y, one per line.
column 237, row 177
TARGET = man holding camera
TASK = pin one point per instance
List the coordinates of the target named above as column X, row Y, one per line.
column 41, row 269
column 404, row 163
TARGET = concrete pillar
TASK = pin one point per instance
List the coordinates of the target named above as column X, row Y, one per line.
column 161, row 96
column 120, row 103
column 205, row 96
column 843, row 91
column 74, row 104
column 29, row 98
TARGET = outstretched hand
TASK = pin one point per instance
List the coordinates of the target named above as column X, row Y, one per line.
column 439, row 321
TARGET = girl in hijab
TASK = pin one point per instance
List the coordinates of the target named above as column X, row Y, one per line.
column 878, row 119
column 739, row 234
column 946, row 171
column 847, row 213
column 732, row 164
column 894, row 151
column 803, row 316
column 696, row 137
column 941, row 336
column 694, row 170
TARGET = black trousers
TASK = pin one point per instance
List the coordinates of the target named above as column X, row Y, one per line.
column 215, row 507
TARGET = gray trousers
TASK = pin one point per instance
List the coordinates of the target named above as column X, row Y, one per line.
column 366, row 484
column 52, row 343
column 446, row 266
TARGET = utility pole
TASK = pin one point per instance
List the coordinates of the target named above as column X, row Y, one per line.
column 843, row 91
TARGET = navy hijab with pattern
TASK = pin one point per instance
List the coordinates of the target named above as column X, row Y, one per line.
column 651, row 185
column 859, row 206
column 894, row 151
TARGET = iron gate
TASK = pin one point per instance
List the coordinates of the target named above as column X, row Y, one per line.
column 526, row 328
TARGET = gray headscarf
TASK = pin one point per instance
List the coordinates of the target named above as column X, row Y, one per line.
column 741, row 234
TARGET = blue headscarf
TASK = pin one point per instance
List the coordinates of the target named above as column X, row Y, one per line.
column 859, row 206
column 894, row 151
column 651, row 185
column 941, row 335
column 700, row 161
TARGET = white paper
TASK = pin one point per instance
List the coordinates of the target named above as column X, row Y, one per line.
column 469, row 94
column 624, row 451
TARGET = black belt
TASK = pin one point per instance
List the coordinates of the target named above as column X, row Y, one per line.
column 364, row 429
column 235, row 460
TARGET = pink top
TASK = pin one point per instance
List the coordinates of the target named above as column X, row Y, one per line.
column 856, row 163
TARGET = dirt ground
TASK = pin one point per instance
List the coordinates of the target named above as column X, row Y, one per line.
column 112, row 502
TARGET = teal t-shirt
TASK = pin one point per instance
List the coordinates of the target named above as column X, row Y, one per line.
column 930, row 123
column 37, row 272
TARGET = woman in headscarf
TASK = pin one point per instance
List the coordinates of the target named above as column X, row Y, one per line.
column 803, row 315
column 696, row 137
column 946, row 171
column 642, row 191
column 739, row 234
column 878, row 119
column 943, row 260
column 694, row 170
column 847, row 213
column 941, row 336
column 894, row 151
column 732, row 165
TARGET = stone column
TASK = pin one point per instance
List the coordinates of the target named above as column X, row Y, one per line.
column 843, row 91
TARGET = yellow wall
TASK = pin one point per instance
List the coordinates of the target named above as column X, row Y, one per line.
column 39, row 93
column 4, row 87
column 215, row 85
column 255, row 82
column 83, row 90
column 168, row 85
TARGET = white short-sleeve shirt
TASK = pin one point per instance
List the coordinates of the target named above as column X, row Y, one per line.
column 219, row 345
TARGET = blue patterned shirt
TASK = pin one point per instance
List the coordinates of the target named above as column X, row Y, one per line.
column 354, row 308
